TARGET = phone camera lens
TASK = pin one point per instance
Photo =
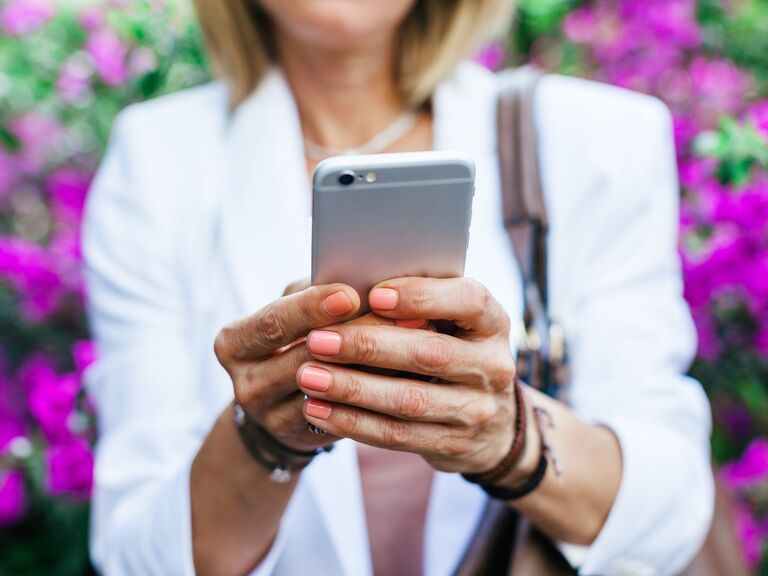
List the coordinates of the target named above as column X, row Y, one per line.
column 346, row 178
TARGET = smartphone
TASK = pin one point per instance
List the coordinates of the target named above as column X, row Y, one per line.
column 383, row 216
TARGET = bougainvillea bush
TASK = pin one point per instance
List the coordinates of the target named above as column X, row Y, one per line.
column 67, row 67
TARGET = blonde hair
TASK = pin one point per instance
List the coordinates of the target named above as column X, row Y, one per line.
column 434, row 37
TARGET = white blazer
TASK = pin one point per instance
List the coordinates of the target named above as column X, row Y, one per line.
column 198, row 217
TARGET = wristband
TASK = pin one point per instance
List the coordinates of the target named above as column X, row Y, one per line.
column 281, row 461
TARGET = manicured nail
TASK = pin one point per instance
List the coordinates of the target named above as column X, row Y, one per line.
column 318, row 409
column 383, row 298
column 325, row 343
column 338, row 304
column 411, row 323
column 315, row 379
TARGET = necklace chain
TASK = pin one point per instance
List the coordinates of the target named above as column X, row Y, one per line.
column 380, row 142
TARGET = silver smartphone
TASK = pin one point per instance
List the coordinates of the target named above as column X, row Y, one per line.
column 377, row 217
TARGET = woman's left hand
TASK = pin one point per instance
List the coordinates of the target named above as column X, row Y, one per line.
column 461, row 420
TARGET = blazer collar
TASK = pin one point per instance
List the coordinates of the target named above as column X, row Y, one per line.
column 266, row 246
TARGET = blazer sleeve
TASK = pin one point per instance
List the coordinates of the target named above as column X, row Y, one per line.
column 151, row 420
column 632, row 338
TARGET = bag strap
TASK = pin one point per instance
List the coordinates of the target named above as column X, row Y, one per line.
column 541, row 358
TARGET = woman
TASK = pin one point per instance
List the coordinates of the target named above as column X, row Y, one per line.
column 198, row 220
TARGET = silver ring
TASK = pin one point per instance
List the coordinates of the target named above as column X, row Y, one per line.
column 315, row 430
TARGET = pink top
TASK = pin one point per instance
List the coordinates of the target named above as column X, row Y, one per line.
column 396, row 489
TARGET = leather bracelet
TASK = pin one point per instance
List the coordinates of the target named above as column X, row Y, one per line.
column 515, row 451
column 517, row 492
column 279, row 460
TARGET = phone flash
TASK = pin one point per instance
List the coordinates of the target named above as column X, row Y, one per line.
column 370, row 177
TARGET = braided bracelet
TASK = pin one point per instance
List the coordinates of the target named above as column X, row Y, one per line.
column 279, row 460
column 515, row 451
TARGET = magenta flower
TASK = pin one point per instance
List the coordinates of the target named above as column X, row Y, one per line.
column 13, row 501
column 580, row 25
column 19, row 17
column 492, row 56
column 720, row 83
column 51, row 397
column 74, row 82
column 9, row 174
column 91, row 17
column 108, row 54
column 67, row 188
column 70, row 468
column 84, row 352
column 752, row 468
column 758, row 115
column 752, row 534
column 38, row 134
column 32, row 272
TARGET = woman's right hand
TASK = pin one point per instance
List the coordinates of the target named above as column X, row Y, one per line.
column 262, row 354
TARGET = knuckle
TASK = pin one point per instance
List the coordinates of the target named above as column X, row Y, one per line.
column 431, row 353
column 351, row 390
column 483, row 412
column 223, row 346
column 364, row 346
column 421, row 297
column 394, row 434
column 412, row 402
column 476, row 295
column 270, row 327
column 455, row 449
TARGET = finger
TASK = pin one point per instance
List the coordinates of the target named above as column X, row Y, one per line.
column 297, row 286
column 402, row 398
column 376, row 429
column 260, row 384
column 284, row 321
column 461, row 300
column 286, row 422
column 417, row 351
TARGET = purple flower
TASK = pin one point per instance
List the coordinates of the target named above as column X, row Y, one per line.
column 37, row 133
column 750, row 469
column 108, row 54
column 9, row 174
column 580, row 25
column 51, row 397
column 13, row 501
column 492, row 56
column 32, row 272
column 70, row 468
column 19, row 17
column 91, row 17
column 67, row 188
column 74, row 82
column 758, row 115
column 720, row 84
column 84, row 353
column 752, row 534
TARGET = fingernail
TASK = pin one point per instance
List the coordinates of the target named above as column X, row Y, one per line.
column 338, row 304
column 318, row 409
column 383, row 298
column 325, row 343
column 315, row 379
column 411, row 323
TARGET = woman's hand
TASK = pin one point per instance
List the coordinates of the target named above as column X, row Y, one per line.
column 462, row 420
column 262, row 353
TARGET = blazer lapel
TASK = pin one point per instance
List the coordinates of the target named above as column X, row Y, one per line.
column 265, row 210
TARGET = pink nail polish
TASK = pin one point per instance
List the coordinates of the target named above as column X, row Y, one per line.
column 383, row 299
column 318, row 409
column 324, row 343
column 411, row 323
column 315, row 379
column 337, row 304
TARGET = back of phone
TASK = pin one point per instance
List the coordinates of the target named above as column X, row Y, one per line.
column 384, row 216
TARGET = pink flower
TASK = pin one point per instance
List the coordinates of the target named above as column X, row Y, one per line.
column 38, row 134
column 108, row 54
column 84, row 353
column 9, row 174
column 752, row 534
column 33, row 273
column 758, row 115
column 13, row 501
column 720, row 83
column 492, row 56
column 91, row 17
column 74, row 82
column 70, row 468
column 751, row 469
column 19, row 17
column 51, row 397
column 67, row 188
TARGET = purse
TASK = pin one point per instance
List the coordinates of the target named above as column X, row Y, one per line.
column 504, row 542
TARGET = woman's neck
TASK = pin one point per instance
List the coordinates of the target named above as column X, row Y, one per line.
column 344, row 97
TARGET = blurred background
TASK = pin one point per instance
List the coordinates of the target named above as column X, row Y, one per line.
column 68, row 66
